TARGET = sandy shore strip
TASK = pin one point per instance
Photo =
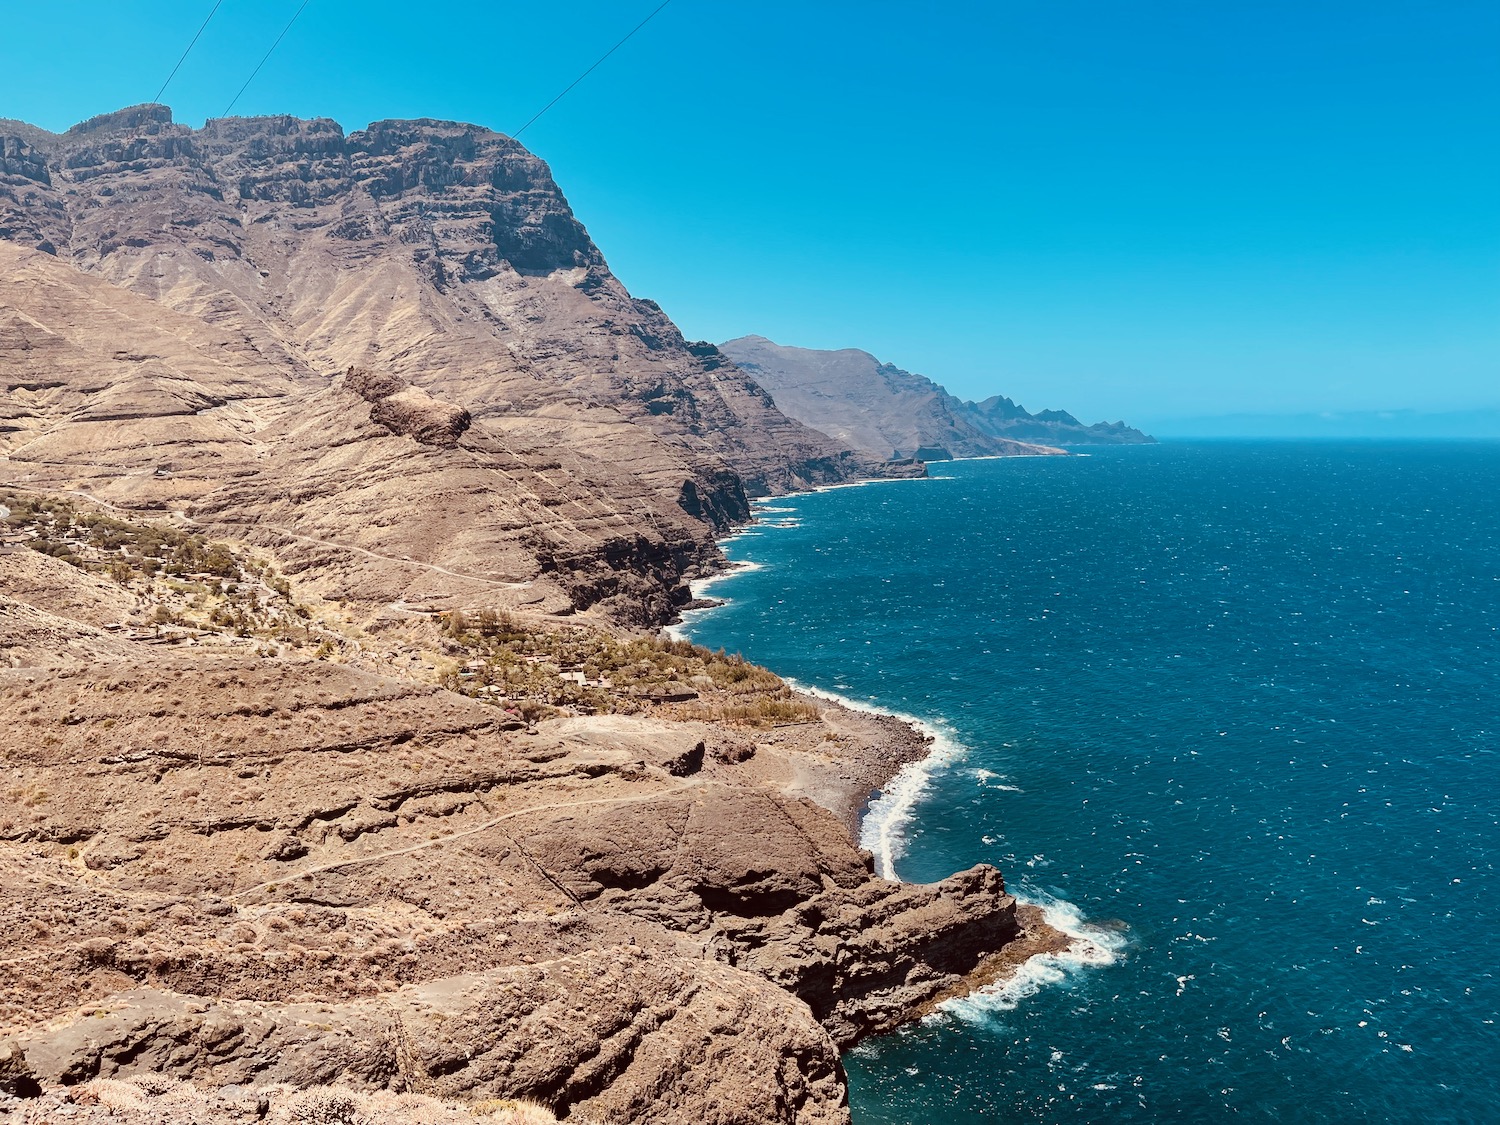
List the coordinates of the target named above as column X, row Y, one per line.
column 842, row 760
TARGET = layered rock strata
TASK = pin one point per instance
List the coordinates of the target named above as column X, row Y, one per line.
column 394, row 361
column 241, row 871
column 180, row 308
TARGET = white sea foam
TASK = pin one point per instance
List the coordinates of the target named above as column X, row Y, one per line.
column 989, row 779
column 1091, row 947
column 699, row 587
column 883, row 833
column 867, row 484
column 761, row 507
column 883, row 830
column 733, row 570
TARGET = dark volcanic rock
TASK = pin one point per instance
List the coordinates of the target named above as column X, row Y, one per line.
column 16, row 1077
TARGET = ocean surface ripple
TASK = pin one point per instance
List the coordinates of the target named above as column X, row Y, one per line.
column 1230, row 712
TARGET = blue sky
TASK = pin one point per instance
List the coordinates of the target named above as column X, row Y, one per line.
column 1144, row 210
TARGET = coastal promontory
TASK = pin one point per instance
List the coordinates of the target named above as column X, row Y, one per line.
column 885, row 411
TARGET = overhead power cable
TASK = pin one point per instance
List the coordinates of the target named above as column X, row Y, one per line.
column 267, row 55
column 185, row 54
column 469, row 175
column 591, row 69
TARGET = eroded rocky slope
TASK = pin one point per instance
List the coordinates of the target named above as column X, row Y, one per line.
column 244, row 870
column 280, row 409
column 182, row 310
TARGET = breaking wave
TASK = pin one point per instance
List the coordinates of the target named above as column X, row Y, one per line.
column 1091, row 947
column 883, row 829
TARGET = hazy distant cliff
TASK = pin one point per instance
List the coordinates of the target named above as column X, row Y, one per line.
column 999, row 417
column 881, row 409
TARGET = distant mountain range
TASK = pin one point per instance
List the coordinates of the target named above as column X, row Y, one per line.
column 881, row 410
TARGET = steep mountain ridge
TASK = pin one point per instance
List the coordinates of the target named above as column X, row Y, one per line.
column 1001, row 418
column 884, row 411
column 436, row 253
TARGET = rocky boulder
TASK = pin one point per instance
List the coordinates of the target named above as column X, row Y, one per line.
column 613, row 1034
column 404, row 409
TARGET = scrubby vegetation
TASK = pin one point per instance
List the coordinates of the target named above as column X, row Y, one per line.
column 184, row 586
column 180, row 581
column 123, row 549
column 535, row 670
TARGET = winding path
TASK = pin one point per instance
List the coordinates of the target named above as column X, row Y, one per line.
column 485, row 827
column 400, row 561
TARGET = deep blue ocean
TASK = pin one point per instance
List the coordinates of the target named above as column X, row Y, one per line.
column 1231, row 712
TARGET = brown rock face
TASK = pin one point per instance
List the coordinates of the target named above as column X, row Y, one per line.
column 776, row 886
column 154, row 1100
column 617, row 1035
column 403, row 409
column 178, row 304
column 394, row 362
column 241, row 870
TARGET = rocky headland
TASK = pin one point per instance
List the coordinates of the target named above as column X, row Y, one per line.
column 883, row 411
column 342, row 491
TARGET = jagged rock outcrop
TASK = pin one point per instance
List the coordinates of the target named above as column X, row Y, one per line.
column 885, row 411
column 404, row 409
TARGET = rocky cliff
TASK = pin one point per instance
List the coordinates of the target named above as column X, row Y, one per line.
column 182, row 306
column 1001, row 418
column 884, row 411
column 247, row 870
